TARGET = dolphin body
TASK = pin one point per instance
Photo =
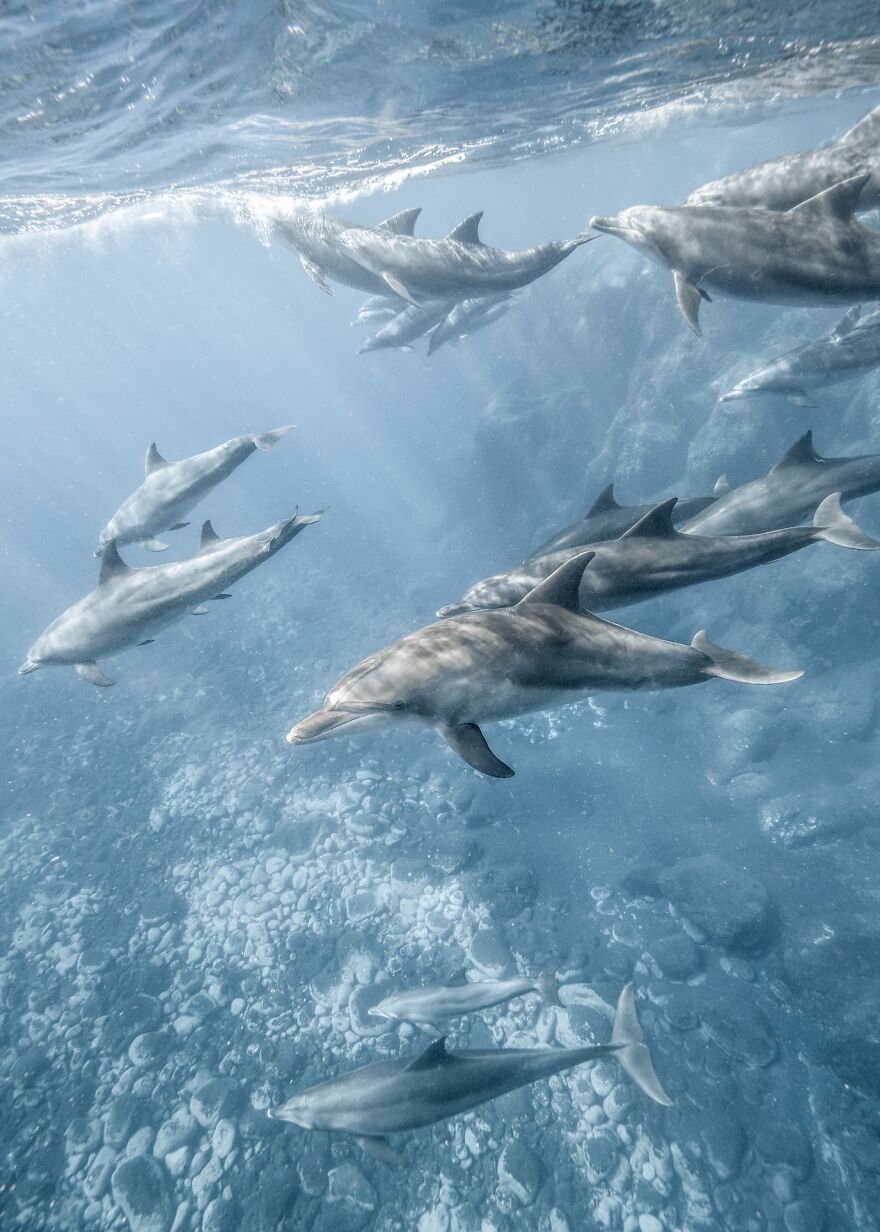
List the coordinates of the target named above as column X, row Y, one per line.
column 799, row 481
column 317, row 240
column 653, row 558
column 815, row 254
column 171, row 489
column 411, row 1092
column 781, row 183
column 377, row 308
column 853, row 346
column 408, row 325
column 427, row 1005
column 129, row 606
column 467, row 317
column 492, row 665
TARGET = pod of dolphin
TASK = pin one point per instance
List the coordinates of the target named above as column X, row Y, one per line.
column 528, row 638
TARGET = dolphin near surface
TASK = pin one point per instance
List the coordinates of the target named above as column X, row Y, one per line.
column 426, row 1006
column 390, row 1097
column 317, row 240
column 781, row 183
column 851, row 347
column 129, row 606
column 491, row 665
column 171, row 489
column 815, row 254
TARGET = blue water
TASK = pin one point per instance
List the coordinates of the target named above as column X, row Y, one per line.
column 195, row 916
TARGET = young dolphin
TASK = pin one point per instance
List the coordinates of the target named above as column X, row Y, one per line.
column 130, row 606
column 469, row 316
column 408, row 326
column 815, row 254
column 377, row 308
column 782, row 183
column 172, row 489
column 408, row 1093
column 799, row 481
column 424, row 1006
column 316, row 238
column 487, row 666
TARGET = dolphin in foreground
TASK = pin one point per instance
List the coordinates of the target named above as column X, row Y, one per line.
column 491, row 665
column 409, row 1093
column 799, row 481
column 852, row 347
column 427, row 1005
column 653, row 558
column 130, row 606
column 316, row 238
column 815, row 254
column 171, row 489
column 782, row 183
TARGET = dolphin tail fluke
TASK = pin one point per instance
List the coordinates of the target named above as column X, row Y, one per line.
column 633, row 1052
column 267, row 440
column 379, row 1149
column 548, row 986
column 833, row 525
column 729, row 665
column 470, row 744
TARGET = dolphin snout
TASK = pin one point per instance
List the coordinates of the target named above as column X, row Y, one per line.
column 598, row 223
column 29, row 665
column 319, row 726
column 452, row 609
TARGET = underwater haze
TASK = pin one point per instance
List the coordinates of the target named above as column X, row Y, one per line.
column 197, row 917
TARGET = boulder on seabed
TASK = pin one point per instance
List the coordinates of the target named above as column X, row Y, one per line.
column 519, row 1172
column 731, row 907
column 141, row 1189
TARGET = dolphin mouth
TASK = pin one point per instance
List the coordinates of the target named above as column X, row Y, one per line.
column 27, row 667
column 610, row 226
column 322, row 725
column 452, row 609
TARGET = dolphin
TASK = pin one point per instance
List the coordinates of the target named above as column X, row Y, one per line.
column 317, row 240
column 424, row 1006
column 653, row 558
column 799, row 481
column 815, row 254
column 493, row 665
column 409, row 1093
column 408, row 326
column 781, row 183
column 171, row 489
column 852, row 347
column 467, row 317
column 129, row 606
column 377, row 308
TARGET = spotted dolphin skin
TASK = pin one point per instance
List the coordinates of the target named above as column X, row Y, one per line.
column 171, row 489
column 409, row 1093
column 781, row 183
column 815, row 254
column 491, row 665
column 129, row 606
column 317, row 240
column 430, row 1004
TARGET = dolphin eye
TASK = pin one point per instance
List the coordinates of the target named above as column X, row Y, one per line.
column 399, row 705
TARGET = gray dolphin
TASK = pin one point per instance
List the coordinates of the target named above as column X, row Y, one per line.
column 653, row 557
column 799, row 481
column 469, row 316
column 781, row 183
column 408, row 325
column 377, row 308
column 129, row 606
column 492, row 665
column 171, row 489
column 431, row 1003
column 316, row 238
column 852, row 347
column 408, row 1093
column 815, row 254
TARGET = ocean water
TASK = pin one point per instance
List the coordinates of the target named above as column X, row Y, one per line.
column 196, row 917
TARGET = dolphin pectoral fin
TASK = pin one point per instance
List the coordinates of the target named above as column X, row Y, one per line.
column 399, row 288
column 154, row 545
column 198, row 611
column 470, row 744
column 798, row 397
column 633, row 1052
column 379, row 1149
column 179, row 526
column 316, row 274
column 93, row 674
column 689, row 300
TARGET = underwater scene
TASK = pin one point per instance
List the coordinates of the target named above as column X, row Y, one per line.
column 403, row 883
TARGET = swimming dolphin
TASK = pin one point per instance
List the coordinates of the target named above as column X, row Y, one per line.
column 852, row 347
column 815, row 254
column 316, row 238
column 377, row 308
column 467, row 317
column 781, row 183
column 408, row 1093
column 799, row 481
column 410, row 324
column 493, row 665
column 130, row 606
column 171, row 489
column 653, row 558
column 425, row 1006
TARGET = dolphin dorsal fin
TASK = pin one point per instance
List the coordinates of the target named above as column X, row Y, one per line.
column 604, row 502
column 154, row 460
column 208, row 536
column 403, row 223
column 434, row 1054
column 801, row 453
column 722, row 486
column 112, row 564
column 839, row 200
column 468, row 231
column 867, row 129
column 457, row 980
column 657, row 524
column 561, row 588
column 848, row 323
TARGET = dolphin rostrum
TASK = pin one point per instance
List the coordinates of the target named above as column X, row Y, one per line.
column 317, row 239
column 799, row 482
column 130, row 606
column 390, row 1097
column 815, row 254
column 492, row 665
column 427, row 1005
column 171, row 489
column 853, row 346
column 782, row 183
